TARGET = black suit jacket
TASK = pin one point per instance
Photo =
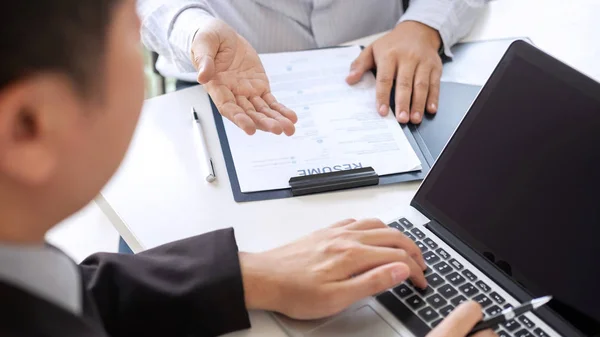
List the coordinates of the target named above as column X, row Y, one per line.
column 191, row 287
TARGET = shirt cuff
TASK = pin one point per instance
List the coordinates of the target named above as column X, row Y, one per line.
column 186, row 24
column 434, row 14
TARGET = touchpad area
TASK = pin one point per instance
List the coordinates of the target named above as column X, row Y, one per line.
column 364, row 322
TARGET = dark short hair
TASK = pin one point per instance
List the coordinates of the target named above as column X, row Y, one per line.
column 63, row 36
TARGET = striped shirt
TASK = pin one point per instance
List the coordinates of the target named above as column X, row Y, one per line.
column 168, row 27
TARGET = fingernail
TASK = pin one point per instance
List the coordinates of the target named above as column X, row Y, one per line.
column 403, row 117
column 399, row 274
column 383, row 110
column 417, row 116
column 433, row 106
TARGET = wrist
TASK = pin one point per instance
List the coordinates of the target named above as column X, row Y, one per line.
column 425, row 32
column 260, row 289
column 207, row 25
column 187, row 25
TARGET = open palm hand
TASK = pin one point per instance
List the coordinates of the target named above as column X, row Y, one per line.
column 234, row 77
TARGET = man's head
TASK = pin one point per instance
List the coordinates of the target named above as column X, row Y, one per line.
column 71, row 88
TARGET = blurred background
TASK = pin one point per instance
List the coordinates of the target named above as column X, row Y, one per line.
column 155, row 83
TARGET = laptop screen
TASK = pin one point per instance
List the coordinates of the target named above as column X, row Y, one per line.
column 520, row 181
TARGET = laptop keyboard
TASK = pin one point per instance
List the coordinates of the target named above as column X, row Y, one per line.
column 449, row 284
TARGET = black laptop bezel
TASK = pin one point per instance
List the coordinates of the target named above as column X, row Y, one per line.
column 531, row 54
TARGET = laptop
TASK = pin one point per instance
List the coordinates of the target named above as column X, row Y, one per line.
column 513, row 209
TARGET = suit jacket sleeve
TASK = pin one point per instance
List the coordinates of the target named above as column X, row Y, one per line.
column 191, row 287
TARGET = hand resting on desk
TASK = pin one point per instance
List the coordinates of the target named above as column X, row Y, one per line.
column 329, row 270
column 409, row 55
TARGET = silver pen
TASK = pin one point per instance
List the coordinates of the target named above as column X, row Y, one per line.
column 508, row 314
column 211, row 176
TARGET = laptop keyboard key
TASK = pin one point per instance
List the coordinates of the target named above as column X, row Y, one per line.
column 443, row 268
column 434, row 280
column 441, row 252
column 523, row 333
column 417, row 232
column 436, row 323
column 430, row 257
column 447, row 291
column 396, row 225
column 430, row 243
column 499, row 299
column 454, row 263
column 403, row 314
column 483, row 300
column 526, row 322
column 428, row 314
column 511, row 325
column 415, row 302
column 424, row 292
column 445, row 311
column 503, row 333
column 458, row 300
column 493, row 310
column 421, row 246
column 470, row 276
column 436, row 301
column 468, row 289
column 484, row 287
column 410, row 236
column 455, row 279
column 407, row 224
column 540, row 333
column 403, row 291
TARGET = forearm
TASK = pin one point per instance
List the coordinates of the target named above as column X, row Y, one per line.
column 168, row 27
column 190, row 287
column 453, row 19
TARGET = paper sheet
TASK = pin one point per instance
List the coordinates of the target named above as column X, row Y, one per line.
column 338, row 125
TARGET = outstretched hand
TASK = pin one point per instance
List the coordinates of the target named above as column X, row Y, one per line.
column 234, row 77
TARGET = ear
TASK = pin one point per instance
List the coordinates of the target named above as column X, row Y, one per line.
column 32, row 111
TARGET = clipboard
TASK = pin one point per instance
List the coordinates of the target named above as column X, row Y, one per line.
column 427, row 139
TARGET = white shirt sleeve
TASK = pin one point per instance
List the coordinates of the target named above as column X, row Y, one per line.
column 453, row 19
column 168, row 27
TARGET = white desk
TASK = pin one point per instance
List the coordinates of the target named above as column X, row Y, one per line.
column 159, row 196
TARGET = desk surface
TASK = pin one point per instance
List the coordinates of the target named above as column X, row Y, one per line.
column 157, row 195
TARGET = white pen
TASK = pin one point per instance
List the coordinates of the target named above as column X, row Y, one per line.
column 211, row 176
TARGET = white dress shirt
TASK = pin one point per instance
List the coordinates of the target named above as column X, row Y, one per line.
column 168, row 27
column 45, row 272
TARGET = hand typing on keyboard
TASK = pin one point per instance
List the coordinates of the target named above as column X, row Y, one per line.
column 330, row 269
column 449, row 288
column 460, row 322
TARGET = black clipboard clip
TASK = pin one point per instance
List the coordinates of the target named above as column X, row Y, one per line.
column 333, row 181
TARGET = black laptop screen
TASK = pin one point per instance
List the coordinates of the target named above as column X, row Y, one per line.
column 520, row 180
